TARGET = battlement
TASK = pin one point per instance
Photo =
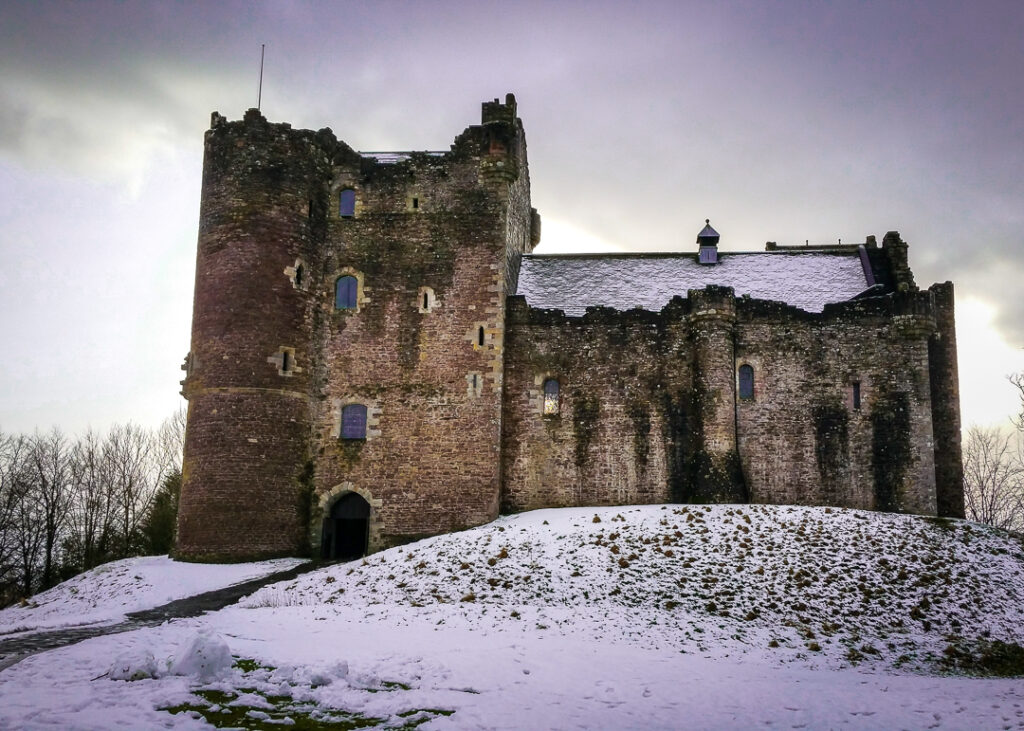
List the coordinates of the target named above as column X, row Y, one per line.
column 494, row 112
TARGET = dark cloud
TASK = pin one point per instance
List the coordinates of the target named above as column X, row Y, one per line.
column 780, row 121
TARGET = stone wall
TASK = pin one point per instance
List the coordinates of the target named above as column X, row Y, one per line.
column 249, row 410
column 650, row 409
column 431, row 376
column 945, row 384
column 802, row 438
column 624, row 386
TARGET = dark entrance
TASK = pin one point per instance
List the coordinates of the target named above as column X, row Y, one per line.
column 346, row 528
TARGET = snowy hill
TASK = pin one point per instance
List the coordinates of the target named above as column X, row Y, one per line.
column 844, row 587
column 107, row 593
column 654, row 617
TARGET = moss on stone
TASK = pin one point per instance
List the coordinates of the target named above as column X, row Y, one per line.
column 890, row 449
column 585, row 413
column 307, row 491
column 831, row 441
column 675, row 432
column 640, row 415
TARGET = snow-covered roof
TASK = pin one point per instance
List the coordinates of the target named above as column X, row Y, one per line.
column 390, row 158
column 571, row 283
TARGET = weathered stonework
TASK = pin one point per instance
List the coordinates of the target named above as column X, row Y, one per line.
column 856, row 405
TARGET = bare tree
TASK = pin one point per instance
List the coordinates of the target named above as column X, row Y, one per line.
column 66, row 506
column 92, row 516
column 50, row 466
column 1017, row 379
column 135, row 473
column 994, row 478
column 12, row 453
column 29, row 526
column 170, row 438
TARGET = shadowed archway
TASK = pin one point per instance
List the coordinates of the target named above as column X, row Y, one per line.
column 346, row 528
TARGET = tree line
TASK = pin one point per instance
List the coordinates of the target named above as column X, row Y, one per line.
column 994, row 470
column 70, row 504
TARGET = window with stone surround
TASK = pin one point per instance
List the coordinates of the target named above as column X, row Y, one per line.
column 297, row 274
column 353, row 421
column 346, row 290
column 551, row 400
column 474, row 384
column 284, row 361
column 347, row 203
column 425, row 300
column 747, row 382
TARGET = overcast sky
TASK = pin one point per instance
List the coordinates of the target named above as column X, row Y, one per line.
column 781, row 121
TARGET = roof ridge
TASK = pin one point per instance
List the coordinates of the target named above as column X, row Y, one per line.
column 692, row 254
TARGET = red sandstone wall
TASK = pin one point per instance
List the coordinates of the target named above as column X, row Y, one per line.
column 248, row 425
column 431, row 460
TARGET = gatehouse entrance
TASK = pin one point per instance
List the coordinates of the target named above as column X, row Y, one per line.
column 346, row 528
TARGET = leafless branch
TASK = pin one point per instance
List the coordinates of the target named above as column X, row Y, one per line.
column 994, row 478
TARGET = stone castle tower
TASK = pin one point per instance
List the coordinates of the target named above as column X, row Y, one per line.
column 377, row 356
column 417, row 251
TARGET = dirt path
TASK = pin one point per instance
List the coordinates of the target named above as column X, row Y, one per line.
column 15, row 649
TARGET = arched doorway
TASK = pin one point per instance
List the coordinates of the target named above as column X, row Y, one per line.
column 346, row 528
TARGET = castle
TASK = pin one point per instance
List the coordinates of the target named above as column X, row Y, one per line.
column 377, row 356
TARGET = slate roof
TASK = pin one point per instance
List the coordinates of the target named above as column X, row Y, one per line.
column 571, row 283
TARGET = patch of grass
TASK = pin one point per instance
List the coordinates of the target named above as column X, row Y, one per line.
column 993, row 658
column 212, row 707
column 387, row 685
column 943, row 523
column 248, row 665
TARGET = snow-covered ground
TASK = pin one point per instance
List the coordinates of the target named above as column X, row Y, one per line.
column 108, row 592
column 657, row 617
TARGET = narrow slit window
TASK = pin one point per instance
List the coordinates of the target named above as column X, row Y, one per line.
column 353, row 422
column 345, row 291
column 550, row 397
column 285, row 361
column 856, row 395
column 480, row 336
column 746, row 382
column 415, row 203
column 347, row 203
column 426, row 301
column 299, row 272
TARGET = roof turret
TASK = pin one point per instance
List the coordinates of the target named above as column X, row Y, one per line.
column 708, row 236
column 708, row 240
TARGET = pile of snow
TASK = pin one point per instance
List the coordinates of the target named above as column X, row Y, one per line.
column 108, row 592
column 137, row 664
column 206, row 657
column 834, row 586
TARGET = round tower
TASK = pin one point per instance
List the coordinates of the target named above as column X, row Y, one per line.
column 246, row 485
column 717, row 474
